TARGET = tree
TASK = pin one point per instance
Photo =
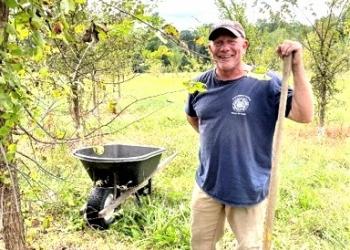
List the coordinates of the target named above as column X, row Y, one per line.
column 22, row 32
column 326, row 40
column 328, row 44
column 89, row 52
column 10, row 96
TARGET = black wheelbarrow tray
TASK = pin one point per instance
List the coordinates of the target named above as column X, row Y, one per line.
column 117, row 171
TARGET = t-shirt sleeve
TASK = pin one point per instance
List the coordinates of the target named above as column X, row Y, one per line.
column 189, row 106
column 276, row 84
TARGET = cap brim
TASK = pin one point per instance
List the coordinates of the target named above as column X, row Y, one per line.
column 223, row 30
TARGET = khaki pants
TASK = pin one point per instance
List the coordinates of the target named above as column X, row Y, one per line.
column 208, row 220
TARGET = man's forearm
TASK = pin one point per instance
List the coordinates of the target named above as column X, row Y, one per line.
column 302, row 104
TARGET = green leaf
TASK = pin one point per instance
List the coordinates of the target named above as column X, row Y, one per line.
column 22, row 17
column 10, row 29
column 38, row 54
column 57, row 93
column 5, row 101
column 60, row 134
column 80, row 28
column 171, row 31
column 99, row 150
column 11, row 151
column 122, row 29
column 201, row 41
column 11, row 3
column 12, row 148
column 112, row 106
column 4, row 131
column 36, row 22
column 17, row 67
column 2, row 36
column 80, row 1
column 44, row 72
column 193, row 86
column 67, row 5
column 14, row 49
column 102, row 31
column 102, row 36
column 260, row 69
column 5, row 180
column 22, row 31
column 47, row 221
column 37, row 39
column 68, row 37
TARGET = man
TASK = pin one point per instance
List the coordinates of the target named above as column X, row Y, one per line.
column 235, row 118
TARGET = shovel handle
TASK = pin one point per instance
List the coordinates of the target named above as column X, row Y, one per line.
column 276, row 153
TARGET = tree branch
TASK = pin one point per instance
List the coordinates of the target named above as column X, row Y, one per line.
column 128, row 106
column 126, row 126
column 29, row 179
column 39, row 166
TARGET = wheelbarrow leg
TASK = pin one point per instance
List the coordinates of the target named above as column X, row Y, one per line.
column 138, row 200
column 115, row 186
column 146, row 190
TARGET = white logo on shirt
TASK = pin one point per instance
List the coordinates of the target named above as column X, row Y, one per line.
column 240, row 104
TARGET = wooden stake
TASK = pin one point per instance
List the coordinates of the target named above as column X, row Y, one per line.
column 276, row 153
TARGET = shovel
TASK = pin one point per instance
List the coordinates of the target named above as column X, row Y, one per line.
column 276, row 153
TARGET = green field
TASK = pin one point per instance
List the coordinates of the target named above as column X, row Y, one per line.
column 314, row 202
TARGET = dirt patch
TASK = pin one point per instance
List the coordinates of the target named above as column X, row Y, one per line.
column 336, row 132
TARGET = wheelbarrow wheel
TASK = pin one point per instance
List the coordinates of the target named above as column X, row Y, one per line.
column 99, row 199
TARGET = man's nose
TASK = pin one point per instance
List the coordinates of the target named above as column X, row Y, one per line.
column 225, row 46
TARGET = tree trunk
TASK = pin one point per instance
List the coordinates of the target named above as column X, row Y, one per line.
column 10, row 209
column 323, row 105
column 4, row 15
column 322, row 108
column 11, row 223
column 322, row 116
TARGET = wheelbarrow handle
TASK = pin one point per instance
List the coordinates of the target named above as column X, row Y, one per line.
column 124, row 195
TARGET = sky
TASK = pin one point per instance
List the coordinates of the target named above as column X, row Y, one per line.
column 188, row 14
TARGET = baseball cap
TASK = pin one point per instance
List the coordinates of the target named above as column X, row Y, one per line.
column 226, row 25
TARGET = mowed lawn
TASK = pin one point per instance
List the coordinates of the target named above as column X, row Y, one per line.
column 314, row 202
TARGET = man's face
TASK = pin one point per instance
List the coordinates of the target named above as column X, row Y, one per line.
column 227, row 51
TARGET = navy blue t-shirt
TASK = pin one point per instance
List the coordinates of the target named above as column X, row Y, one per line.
column 236, row 125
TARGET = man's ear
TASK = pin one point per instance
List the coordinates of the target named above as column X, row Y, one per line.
column 246, row 44
column 210, row 47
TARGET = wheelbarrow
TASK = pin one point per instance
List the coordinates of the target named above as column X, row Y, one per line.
column 117, row 171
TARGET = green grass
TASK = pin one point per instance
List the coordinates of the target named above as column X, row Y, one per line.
column 313, row 208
